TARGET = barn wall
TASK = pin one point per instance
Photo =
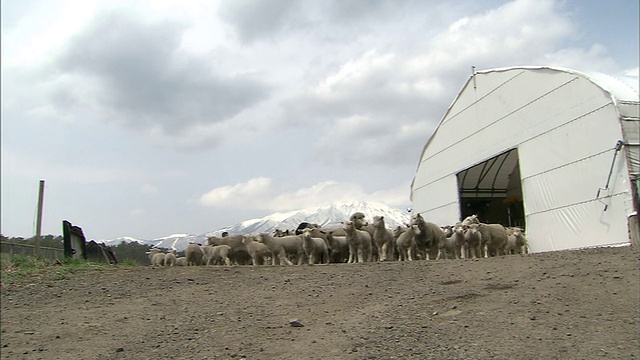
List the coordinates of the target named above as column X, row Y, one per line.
column 565, row 128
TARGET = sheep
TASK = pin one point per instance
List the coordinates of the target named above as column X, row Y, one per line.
column 315, row 248
column 494, row 236
column 473, row 219
column 358, row 219
column 156, row 256
column 473, row 241
column 359, row 243
column 338, row 248
column 383, row 239
column 292, row 245
column 447, row 230
column 429, row 239
column 238, row 253
column 170, row 258
column 406, row 242
column 216, row 254
column 516, row 242
column 258, row 251
column 451, row 247
column 194, row 254
column 181, row 261
column 277, row 249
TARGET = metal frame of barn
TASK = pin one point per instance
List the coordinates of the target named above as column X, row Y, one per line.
column 553, row 150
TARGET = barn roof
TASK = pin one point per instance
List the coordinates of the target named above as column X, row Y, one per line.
column 490, row 178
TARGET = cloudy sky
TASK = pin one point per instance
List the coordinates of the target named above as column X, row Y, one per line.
column 148, row 118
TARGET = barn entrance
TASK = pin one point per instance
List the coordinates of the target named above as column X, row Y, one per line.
column 493, row 190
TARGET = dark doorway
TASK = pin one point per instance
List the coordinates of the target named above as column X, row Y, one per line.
column 493, row 190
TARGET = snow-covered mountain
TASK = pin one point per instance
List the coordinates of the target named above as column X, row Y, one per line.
column 326, row 216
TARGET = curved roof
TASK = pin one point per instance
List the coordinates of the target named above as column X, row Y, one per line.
column 623, row 88
column 490, row 179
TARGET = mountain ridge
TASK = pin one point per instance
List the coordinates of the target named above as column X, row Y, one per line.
column 326, row 216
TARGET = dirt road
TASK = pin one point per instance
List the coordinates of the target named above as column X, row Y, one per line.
column 563, row 305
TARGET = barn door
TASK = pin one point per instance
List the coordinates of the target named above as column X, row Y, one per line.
column 492, row 190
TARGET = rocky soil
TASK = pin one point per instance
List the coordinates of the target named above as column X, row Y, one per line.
column 562, row 305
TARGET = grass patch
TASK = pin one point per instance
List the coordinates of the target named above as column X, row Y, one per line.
column 129, row 262
column 23, row 268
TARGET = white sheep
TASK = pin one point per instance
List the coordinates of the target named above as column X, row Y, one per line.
column 406, row 242
column 238, row 253
column 217, row 254
column 156, row 256
column 429, row 239
column 276, row 247
column 259, row 252
column 359, row 243
column 516, row 242
column 181, row 261
column 338, row 247
column 194, row 254
column 383, row 239
column 469, row 220
column 451, row 247
column 170, row 258
column 315, row 248
column 494, row 236
column 292, row 245
column 473, row 241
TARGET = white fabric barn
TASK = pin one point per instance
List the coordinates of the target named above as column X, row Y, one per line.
column 553, row 150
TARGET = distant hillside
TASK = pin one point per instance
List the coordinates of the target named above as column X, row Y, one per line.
column 326, row 216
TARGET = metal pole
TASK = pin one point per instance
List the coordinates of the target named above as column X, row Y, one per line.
column 39, row 218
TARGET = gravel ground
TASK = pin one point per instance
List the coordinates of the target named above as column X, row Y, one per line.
column 559, row 305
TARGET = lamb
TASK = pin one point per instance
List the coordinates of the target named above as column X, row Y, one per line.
column 258, row 251
column 469, row 220
column 383, row 239
column 429, row 239
column 473, row 241
column 238, row 253
column 451, row 247
column 181, row 261
column 315, row 248
column 359, row 243
column 494, row 236
column 194, row 254
column 338, row 248
column 406, row 242
column 277, row 249
column 292, row 245
column 516, row 242
column 217, row 254
column 170, row 258
column 156, row 256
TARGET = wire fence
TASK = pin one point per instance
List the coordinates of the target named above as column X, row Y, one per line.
column 13, row 249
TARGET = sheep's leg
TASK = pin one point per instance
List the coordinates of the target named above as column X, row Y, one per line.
column 312, row 258
column 360, row 254
column 382, row 252
column 283, row 259
column 352, row 254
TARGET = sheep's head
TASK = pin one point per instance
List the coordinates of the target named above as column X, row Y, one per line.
column 247, row 239
column 358, row 219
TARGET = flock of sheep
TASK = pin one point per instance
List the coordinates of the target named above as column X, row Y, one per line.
column 355, row 242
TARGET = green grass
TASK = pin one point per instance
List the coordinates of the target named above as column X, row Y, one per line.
column 129, row 262
column 23, row 268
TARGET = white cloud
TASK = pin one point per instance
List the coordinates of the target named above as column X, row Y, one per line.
column 249, row 194
column 258, row 193
column 633, row 72
column 150, row 190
